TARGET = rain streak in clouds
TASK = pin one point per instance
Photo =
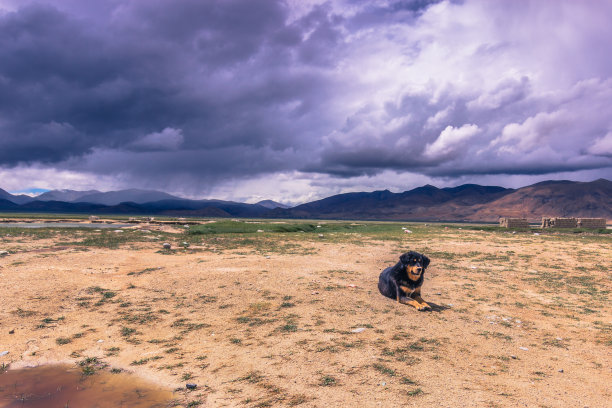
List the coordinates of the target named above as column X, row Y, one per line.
column 295, row 100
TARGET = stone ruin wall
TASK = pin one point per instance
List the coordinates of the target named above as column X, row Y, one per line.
column 558, row 222
column 594, row 223
column 555, row 222
column 506, row 222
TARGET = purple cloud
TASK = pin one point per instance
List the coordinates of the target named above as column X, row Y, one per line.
column 195, row 96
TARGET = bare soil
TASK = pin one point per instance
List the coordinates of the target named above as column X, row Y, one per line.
column 294, row 319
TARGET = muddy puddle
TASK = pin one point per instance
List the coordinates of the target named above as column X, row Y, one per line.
column 67, row 387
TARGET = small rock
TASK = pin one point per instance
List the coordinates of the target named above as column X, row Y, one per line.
column 320, row 235
column 438, row 293
column 407, row 231
column 536, row 233
column 513, row 357
column 450, row 305
column 12, row 331
column 100, row 341
column 561, row 370
column 268, row 257
column 315, row 293
column 473, row 267
column 166, row 245
column 117, row 231
column 358, row 330
column 260, row 230
column 4, row 353
column 191, row 386
column 318, row 226
column 351, row 285
column 383, row 383
column 3, row 253
column 185, row 244
column 559, row 339
column 518, row 321
column 523, row 348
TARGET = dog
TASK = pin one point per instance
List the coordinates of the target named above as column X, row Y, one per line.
column 403, row 281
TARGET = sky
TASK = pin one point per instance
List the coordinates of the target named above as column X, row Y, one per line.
column 296, row 100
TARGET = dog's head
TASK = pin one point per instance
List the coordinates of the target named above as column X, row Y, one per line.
column 415, row 264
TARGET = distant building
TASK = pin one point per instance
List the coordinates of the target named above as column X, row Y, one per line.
column 93, row 218
column 558, row 222
column 516, row 223
column 592, row 223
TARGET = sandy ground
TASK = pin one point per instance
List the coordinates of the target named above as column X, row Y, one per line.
column 296, row 320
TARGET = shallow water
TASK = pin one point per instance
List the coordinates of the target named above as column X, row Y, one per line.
column 65, row 387
column 59, row 225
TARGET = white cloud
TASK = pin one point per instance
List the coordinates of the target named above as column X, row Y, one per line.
column 167, row 139
column 602, row 146
column 437, row 119
column 47, row 178
column 450, row 140
column 535, row 131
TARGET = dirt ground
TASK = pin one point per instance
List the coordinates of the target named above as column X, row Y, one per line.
column 294, row 319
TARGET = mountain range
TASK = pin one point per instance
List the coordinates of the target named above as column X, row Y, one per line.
column 468, row 202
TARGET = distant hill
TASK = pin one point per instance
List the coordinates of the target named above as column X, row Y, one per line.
column 272, row 204
column 422, row 203
column 468, row 202
column 17, row 199
column 6, row 205
column 202, row 208
column 132, row 195
column 64, row 195
column 552, row 198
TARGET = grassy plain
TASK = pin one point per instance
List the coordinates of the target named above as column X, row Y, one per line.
column 287, row 313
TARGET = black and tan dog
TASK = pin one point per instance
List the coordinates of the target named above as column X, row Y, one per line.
column 403, row 281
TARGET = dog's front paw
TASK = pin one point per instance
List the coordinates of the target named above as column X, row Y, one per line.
column 423, row 307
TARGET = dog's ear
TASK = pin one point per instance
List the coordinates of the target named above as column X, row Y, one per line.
column 405, row 258
column 425, row 261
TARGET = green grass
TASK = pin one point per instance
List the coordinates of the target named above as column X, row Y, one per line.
column 240, row 227
column 383, row 369
column 328, row 381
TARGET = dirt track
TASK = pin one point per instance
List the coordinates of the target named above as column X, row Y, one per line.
column 290, row 319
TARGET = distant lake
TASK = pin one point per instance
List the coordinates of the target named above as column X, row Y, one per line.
column 59, row 225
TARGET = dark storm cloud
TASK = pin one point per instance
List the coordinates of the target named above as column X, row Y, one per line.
column 198, row 92
column 222, row 73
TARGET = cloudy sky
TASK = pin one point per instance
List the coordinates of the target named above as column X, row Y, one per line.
column 296, row 100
